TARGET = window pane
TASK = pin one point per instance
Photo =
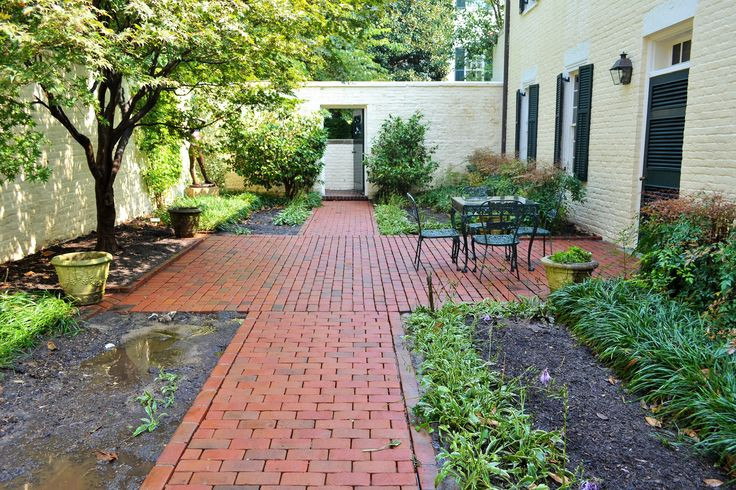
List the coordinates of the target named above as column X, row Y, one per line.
column 676, row 53
column 686, row 51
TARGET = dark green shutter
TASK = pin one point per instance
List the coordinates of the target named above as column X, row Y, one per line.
column 665, row 130
column 518, row 123
column 582, row 129
column 522, row 4
column 531, row 147
column 459, row 64
column 559, row 98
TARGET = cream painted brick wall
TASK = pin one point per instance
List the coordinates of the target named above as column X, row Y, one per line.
column 539, row 41
column 33, row 215
column 462, row 116
column 339, row 167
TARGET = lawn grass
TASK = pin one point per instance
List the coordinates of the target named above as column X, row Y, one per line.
column 665, row 354
column 488, row 440
column 298, row 210
column 218, row 211
column 25, row 317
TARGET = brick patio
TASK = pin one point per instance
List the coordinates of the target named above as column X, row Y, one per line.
column 317, row 372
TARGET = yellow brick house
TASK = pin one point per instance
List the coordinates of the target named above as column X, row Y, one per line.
column 670, row 130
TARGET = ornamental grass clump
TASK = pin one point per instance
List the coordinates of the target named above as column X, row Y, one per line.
column 25, row 317
column 573, row 255
column 217, row 211
column 660, row 347
column 298, row 210
column 488, row 440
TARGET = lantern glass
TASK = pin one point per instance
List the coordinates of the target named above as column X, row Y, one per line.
column 622, row 70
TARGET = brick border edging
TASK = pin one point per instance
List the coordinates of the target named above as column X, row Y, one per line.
column 159, row 475
column 146, row 276
column 421, row 441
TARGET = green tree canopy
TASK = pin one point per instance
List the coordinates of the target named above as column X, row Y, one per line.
column 117, row 57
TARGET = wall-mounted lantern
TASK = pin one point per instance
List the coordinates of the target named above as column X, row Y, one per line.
column 621, row 70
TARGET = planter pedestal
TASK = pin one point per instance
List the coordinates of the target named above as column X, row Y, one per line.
column 202, row 190
column 83, row 275
column 560, row 275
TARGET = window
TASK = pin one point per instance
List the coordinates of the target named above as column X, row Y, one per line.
column 681, row 52
column 472, row 68
column 570, row 102
column 572, row 121
column 527, row 112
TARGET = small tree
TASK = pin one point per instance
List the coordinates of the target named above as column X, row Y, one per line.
column 400, row 160
column 277, row 149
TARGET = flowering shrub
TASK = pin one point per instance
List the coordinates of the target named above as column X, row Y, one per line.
column 688, row 248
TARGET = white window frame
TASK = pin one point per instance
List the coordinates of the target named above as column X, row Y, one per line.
column 569, row 122
column 530, row 4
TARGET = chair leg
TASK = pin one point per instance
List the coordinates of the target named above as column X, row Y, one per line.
column 544, row 245
column 515, row 261
column 455, row 249
column 475, row 258
column 418, row 254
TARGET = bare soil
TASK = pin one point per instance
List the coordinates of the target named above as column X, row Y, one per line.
column 607, row 433
column 58, row 408
column 143, row 246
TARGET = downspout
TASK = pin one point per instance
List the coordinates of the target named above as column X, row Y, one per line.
column 504, row 103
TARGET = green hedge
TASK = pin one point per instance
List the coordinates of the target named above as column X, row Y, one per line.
column 218, row 210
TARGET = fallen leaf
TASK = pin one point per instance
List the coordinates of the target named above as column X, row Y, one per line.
column 655, row 408
column 653, row 422
column 29, row 273
column 108, row 456
column 731, row 350
column 559, row 479
column 705, row 371
column 601, row 416
column 47, row 253
column 631, row 363
column 712, row 482
column 691, row 433
column 613, row 380
column 50, row 345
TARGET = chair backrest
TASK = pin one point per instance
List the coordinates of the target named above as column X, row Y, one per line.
column 414, row 212
column 475, row 191
column 503, row 217
column 552, row 214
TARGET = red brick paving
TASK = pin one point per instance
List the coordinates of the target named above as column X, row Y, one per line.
column 318, row 372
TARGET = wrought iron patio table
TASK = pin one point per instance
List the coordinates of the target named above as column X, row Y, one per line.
column 468, row 208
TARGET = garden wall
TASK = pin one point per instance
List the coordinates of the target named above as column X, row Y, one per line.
column 462, row 116
column 33, row 215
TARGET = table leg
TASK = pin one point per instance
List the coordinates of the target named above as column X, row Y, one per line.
column 529, row 253
column 465, row 244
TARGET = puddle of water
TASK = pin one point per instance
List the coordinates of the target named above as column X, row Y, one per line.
column 78, row 472
column 129, row 363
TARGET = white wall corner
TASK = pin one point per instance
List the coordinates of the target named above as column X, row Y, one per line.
column 577, row 56
column 667, row 14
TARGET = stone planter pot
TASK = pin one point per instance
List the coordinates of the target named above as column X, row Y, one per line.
column 83, row 275
column 202, row 190
column 560, row 275
column 185, row 221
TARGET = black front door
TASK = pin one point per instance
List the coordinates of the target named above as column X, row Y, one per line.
column 665, row 132
column 357, row 133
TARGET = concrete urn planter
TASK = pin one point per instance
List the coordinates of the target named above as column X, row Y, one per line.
column 560, row 275
column 202, row 190
column 83, row 275
column 185, row 221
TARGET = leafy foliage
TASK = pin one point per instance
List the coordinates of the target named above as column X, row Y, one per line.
column 687, row 248
column 488, row 439
column 573, row 255
column 25, row 317
column 392, row 218
column 661, row 348
column 271, row 149
column 478, row 26
column 400, row 160
column 298, row 210
column 217, row 211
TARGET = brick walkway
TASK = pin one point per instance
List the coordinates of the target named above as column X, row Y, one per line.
column 317, row 372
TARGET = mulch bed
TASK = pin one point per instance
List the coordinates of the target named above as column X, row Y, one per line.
column 261, row 223
column 607, row 432
column 143, row 246
column 65, row 412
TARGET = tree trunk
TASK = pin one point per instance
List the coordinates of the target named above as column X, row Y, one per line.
column 105, row 200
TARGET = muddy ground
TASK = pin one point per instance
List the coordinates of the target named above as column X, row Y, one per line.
column 607, row 432
column 59, row 407
column 143, row 246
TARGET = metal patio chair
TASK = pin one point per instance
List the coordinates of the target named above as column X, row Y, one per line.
column 422, row 234
column 500, row 222
column 545, row 220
